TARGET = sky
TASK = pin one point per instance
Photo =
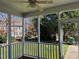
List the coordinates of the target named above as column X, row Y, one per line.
column 4, row 16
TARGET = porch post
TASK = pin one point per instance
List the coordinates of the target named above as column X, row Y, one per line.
column 23, row 35
column 61, row 46
column 27, row 26
column 38, row 37
column 9, row 36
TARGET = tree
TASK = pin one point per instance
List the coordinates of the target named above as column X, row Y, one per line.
column 71, row 26
column 49, row 26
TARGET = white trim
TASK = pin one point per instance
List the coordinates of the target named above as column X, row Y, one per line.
column 60, row 30
column 39, row 37
column 71, row 20
column 23, row 35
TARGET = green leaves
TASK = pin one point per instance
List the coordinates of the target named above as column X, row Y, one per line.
column 69, row 14
column 70, row 27
column 3, row 38
column 76, row 13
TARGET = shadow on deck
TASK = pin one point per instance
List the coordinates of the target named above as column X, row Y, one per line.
column 26, row 57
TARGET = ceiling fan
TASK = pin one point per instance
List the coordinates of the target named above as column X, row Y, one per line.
column 35, row 3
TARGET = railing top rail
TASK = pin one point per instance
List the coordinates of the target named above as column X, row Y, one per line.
column 4, row 45
column 42, row 42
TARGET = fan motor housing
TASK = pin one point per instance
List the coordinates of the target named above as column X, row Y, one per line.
column 32, row 1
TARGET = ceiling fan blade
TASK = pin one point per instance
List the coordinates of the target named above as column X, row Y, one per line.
column 44, row 2
column 20, row 1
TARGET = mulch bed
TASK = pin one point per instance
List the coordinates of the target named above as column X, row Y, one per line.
column 25, row 57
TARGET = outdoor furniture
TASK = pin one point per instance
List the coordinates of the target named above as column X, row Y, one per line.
column 71, row 40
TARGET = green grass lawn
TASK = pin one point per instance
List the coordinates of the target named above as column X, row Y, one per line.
column 46, row 50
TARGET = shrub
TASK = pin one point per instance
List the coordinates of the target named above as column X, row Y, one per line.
column 3, row 39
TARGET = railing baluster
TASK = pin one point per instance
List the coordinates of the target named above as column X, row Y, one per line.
column 43, row 49
column 47, row 50
column 56, row 51
column 19, row 49
column 6, row 52
column 50, row 51
column 24, row 48
column 0, row 52
column 28, row 48
column 53, row 51
column 15, row 49
column 3, row 52
column 36, row 50
column 40, row 50
column 33, row 48
column 12, row 50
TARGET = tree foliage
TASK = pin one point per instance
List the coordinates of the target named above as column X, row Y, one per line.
column 70, row 26
column 49, row 26
column 70, row 14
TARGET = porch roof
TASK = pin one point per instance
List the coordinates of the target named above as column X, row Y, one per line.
column 8, row 6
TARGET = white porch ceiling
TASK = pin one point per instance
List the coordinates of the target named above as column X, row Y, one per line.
column 18, row 8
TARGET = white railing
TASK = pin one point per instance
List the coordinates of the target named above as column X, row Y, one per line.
column 16, row 49
column 47, row 50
